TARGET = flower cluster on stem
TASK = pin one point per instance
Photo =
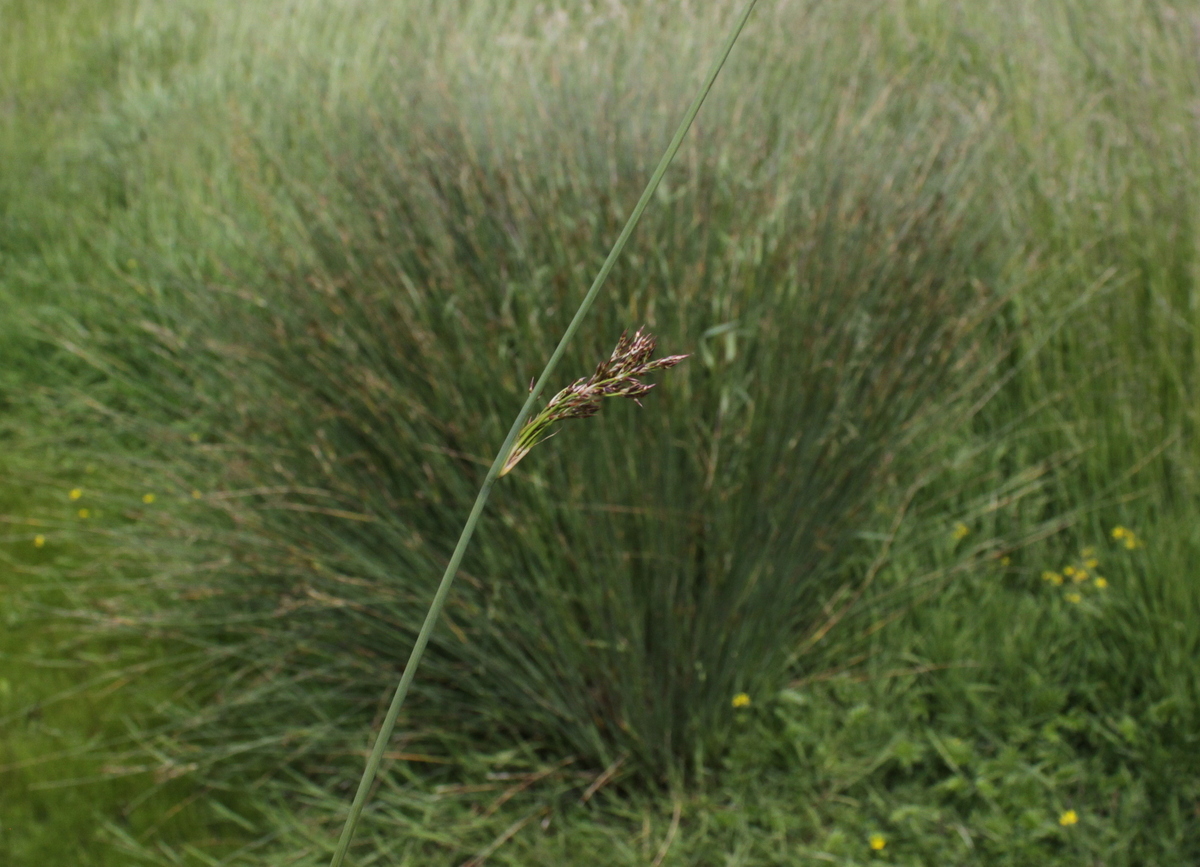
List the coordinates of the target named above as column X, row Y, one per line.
column 615, row 377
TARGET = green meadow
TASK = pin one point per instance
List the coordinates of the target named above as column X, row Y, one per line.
column 898, row 567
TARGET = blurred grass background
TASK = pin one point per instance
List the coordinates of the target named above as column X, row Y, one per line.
column 276, row 276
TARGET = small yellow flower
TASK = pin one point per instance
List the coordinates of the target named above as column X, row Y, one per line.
column 1074, row 598
column 1128, row 536
column 961, row 531
column 39, row 540
column 1006, row 561
column 877, row 841
column 741, row 700
column 76, row 493
column 83, row 513
column 1070, row 817
column 147, row 498
column 1080, row 577
column 1068, row 571
column 196, row 495
column 1091, row 563
column 1101, row 583
column 1053, row 577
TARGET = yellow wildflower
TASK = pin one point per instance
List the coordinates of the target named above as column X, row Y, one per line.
column 961, row 531
column 1053, row 577
column 877, row 841
column 83, row 513
column 76, row 493
column 1074, row 598
column 1080, row 577
column 147, row 498
column 1070, row 817
column 1091, row 563
column 741, row 700
column 39, row 540
column 1006, row 561
column 1101, row 583
column 1130, row 538
column 1068, row 571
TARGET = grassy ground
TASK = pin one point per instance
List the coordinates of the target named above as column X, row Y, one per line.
column 925, row 491
column 64, row 702
column 56, row 824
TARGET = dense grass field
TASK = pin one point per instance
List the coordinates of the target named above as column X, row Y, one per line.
column 899, row 567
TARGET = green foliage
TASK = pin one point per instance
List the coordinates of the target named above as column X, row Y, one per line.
column 972, row 749
column 935, row 263
column 617, row 602
column 68, row 763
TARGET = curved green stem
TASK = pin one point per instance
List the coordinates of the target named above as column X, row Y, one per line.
column 439, row 599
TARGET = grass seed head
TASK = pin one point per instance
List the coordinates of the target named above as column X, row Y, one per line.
column 617, row 376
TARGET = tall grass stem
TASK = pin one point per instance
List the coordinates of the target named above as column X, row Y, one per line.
column 443, row 591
